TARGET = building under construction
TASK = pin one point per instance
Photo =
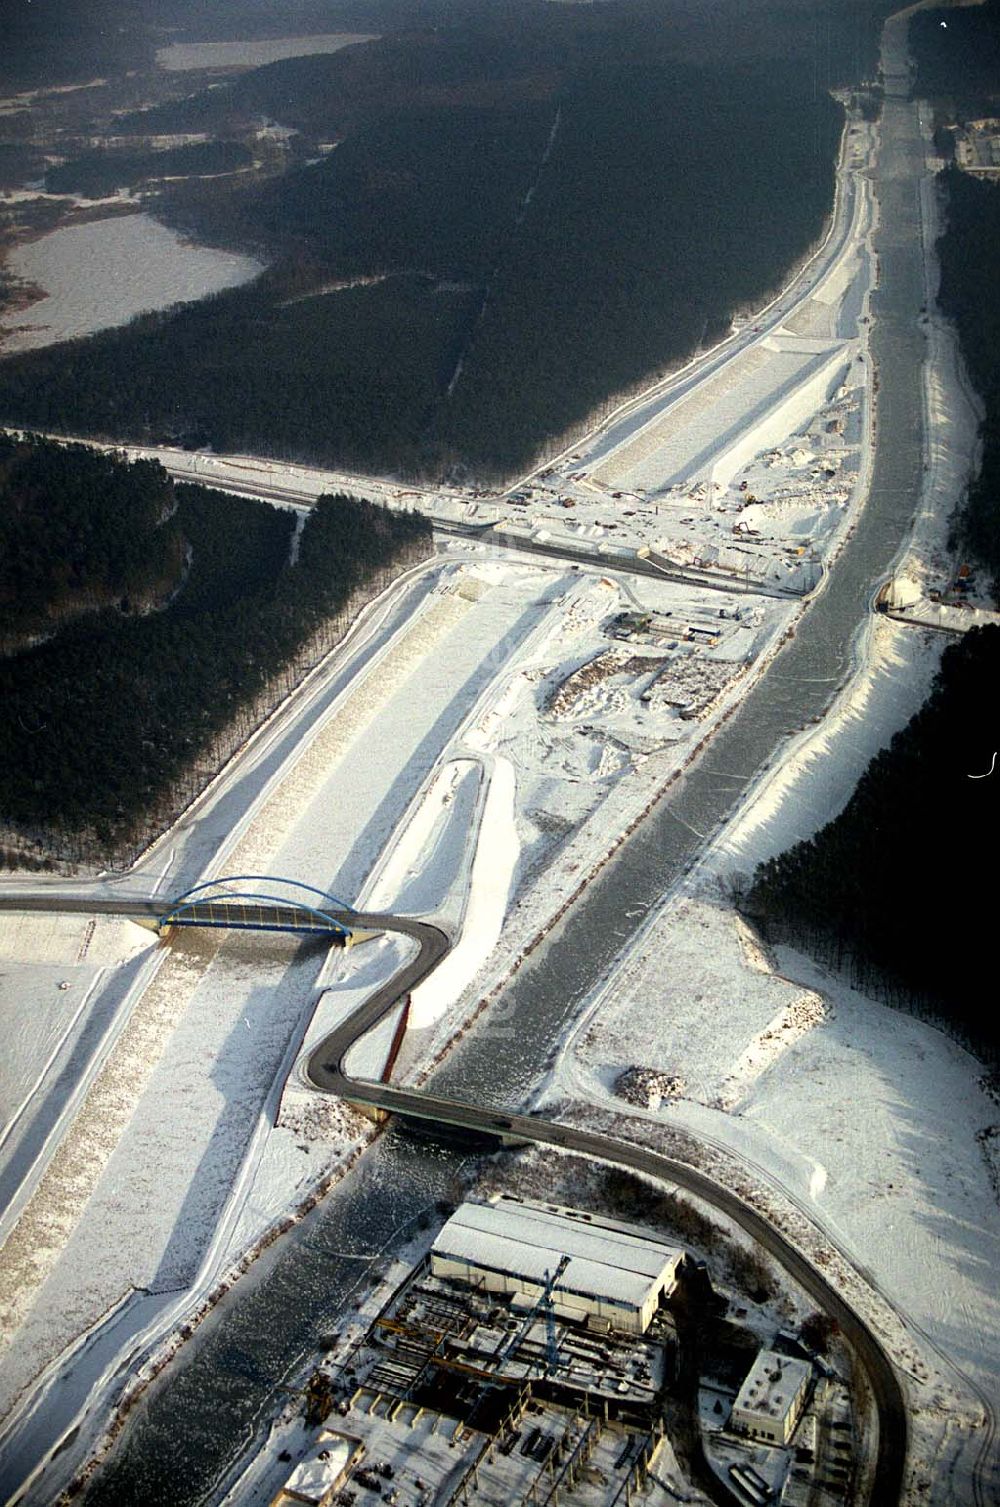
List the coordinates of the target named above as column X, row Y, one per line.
column 611, row 1275
column 473, row 1391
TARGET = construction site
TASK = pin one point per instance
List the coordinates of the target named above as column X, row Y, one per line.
column 532, row 1356
column 492, row 1374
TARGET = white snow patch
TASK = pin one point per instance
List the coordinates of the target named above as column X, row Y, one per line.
column 819, row 770
column 51, row 938
column 874, row 1119
column 39, row 1006
column 428, row 863
column 489, row 890
column 675, row 1014
column 784, row 418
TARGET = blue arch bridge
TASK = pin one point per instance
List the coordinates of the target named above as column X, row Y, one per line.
column 262, row 902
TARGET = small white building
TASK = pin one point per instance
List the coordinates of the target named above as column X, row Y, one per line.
column 772, row 1397
column 618, row 1273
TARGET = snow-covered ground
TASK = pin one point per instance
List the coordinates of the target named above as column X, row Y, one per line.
column 954, row 413
column 871, row 1122
column 224, row 1014
column 875, row 1124
column 816, row 776
column 49, row 966
column 478, row 765
column 62, row 1003
column 510, row 783
column 105, row 271
column 450, row 738
column 438, row 780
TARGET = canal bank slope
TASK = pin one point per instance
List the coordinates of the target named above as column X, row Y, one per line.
column 511, row 1045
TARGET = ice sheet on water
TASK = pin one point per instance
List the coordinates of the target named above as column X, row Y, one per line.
column 103, row 273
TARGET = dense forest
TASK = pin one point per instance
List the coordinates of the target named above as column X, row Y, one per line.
column 888, row 890
column 81, row 531
column 113, row 725
column 969, row 252
column 57, row 41
column 957, row 53
column 652, row 224
column 556, row 212
column 101, row 171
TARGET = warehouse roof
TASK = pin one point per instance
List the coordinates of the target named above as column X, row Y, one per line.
column 617, row 1261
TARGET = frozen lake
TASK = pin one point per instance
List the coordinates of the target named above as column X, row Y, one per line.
column 102, row 273
column 181, row 57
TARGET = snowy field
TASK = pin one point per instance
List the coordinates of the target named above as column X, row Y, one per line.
column 692, row 441
column 183, row 57
column 479, row 765
column 874, row 1123
column 103, row 273
column 756, row 478
column 820, row 768
column 64, row 982
column 513, row 784
column 868, row 1120
column 438, row 781
column 140, row 1197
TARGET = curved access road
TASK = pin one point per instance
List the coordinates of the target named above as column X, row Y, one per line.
column 325, row 1070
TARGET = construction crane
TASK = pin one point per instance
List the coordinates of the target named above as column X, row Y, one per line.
column 551, row 1348
column 545, row 1302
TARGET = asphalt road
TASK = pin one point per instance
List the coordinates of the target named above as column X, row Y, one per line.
column 627, row 564
column 325, row 1070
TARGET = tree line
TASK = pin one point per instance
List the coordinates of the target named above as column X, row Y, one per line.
column 114, row 725
column 890, row 892
column 81, row 530
column 969, row 253
column 102, row 170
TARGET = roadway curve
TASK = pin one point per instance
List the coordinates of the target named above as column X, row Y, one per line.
column 325, row 1071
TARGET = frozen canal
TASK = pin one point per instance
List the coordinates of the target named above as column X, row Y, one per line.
column 188, row 1432
column 218, row 1395
column 105, row 272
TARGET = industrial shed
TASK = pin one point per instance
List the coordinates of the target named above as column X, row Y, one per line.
column 617, row 1273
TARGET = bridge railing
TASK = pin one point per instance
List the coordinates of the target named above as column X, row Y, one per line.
column 265, row 879
column 213, row 904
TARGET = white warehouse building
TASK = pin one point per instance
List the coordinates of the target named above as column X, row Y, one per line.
column 616, row 1273
column 771, row 1399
